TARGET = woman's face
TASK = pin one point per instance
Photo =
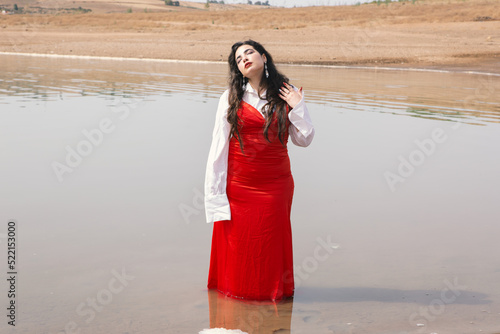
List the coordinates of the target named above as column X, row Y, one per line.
column 249, row 61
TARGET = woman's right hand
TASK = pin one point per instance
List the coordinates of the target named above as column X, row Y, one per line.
column 290, row 95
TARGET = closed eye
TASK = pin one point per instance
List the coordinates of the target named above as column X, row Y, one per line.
column 246, row 52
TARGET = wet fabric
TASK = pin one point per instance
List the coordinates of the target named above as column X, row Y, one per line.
column 253, row 317
column 252, row 255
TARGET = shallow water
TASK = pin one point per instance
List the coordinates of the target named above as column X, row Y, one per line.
column 395, row 215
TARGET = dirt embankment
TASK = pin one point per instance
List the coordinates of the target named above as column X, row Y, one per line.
column 432, row 33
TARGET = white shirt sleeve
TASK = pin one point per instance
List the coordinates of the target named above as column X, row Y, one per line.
column 301, row 130
column 216, row 202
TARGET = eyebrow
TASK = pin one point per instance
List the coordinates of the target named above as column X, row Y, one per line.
column 244, row 52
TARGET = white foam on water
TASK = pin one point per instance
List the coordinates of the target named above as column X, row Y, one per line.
column 221, row 331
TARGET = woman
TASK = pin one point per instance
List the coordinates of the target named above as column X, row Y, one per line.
column 248, row 184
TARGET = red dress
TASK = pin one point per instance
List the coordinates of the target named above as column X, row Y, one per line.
column 252, row 255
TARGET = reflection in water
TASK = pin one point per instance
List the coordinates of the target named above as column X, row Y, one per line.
column 135, row 201
column 248, row 316
column 451, row 291
column 466, row 98
column 50, row 78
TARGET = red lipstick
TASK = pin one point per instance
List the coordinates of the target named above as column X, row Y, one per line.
column 248, row 64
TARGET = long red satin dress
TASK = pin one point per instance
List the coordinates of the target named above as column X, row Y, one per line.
column 252, row 255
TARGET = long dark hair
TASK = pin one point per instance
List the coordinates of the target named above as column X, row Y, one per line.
column 272, row 84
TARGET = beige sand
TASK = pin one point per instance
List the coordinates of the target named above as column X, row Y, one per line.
column 428, row 34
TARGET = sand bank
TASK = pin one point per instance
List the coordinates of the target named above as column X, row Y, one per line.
column 428, row 34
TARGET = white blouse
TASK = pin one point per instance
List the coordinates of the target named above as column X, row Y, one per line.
column 301, row 132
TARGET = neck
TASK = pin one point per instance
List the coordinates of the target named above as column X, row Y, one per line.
column 255, row 85
column 255, row 82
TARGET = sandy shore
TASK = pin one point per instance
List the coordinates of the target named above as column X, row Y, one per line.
column 427, row 35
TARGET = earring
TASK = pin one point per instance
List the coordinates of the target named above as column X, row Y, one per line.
column 265, row 67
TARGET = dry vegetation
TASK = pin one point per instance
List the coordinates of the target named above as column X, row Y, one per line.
column 431, row 33
column 431, row 11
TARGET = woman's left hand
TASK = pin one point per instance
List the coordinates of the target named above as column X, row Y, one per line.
column 290, row 95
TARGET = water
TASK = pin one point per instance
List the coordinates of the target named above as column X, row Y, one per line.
column 395, row 215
